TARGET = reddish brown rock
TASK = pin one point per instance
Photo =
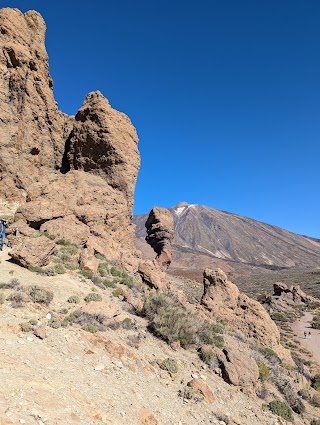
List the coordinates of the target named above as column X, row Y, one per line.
column 159, row 227
column 33, row 252
column 75, row 176
column 238, row 367
column 223, row 301
column 203, row 389
column 40, row 332
column 152, row 275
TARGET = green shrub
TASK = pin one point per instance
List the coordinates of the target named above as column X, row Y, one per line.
column 268, row 352
column 89, row 327
column 218, row 328
column 153, row 303
column 41, row 296
column 86, row 273
column 103, row 269
column 287, row 366
column 174, row 323
column 17, row 299
column 108, row 283
column 33, row 322
column 93, row 296
column 47, row 235
column 74, row 299
column 118, row 292
column 316, row 322
column 170, row 365
column 34, row 269
column 281, row 409
column 100, row 257
column 186, row 393
column 115, row 272
column 264, row 372
column 70, row 318
column 278, row 316
column 315, row 422
column 218, row 341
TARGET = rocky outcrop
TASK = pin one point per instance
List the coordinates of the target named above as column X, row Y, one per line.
column 75, row 176
column 289, row 301
column 159, row 227
column 223, row 301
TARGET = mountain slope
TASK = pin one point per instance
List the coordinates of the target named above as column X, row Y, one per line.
column 206, row 236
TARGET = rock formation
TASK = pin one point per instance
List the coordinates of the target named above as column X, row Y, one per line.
column 223, row 300
column 288, row 300
column 72, row 177
column 159, row 227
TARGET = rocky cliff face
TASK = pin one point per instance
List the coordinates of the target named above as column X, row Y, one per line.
column 72, row 177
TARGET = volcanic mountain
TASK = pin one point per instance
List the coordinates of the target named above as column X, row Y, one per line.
column 209, row 237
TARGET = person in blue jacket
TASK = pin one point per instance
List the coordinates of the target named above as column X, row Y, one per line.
column 3, row 227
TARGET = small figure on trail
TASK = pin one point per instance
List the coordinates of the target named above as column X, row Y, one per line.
column 16, row 231
column 305, row 334
column 3, row 227
column 309, row 334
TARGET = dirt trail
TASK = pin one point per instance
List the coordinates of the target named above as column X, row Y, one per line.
column 312, row 344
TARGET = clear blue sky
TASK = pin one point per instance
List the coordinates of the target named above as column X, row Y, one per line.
column 225, row 96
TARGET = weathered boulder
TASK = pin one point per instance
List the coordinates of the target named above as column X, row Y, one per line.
column 238, row 367
column 152, row 275
column 159, row 227
column 68, row 228
column 33, row 252
column 201, row 388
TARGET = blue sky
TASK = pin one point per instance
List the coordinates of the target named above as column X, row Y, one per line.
column 225, row 96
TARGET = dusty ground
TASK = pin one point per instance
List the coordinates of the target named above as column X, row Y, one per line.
column 75, row 377
column 312, row 344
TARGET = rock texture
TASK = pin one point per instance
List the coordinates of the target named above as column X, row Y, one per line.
column 75, row 176
column 288, row 300
column 223, row 300
column 159, row 227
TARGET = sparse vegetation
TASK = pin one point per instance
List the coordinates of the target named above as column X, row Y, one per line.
column 316, row 322
column 169, row 365
column 186, row 393
column 25, row 327
column 315, row 382
column 207, row 355
column 281, row 409
column 264, row 372
column 89, row 327
column 41, row 296
column 103, row 269
column 17, row 299
column 218, row 341
column 93, row 296
column 55, row 324
column 108, row 283
column 86, row 274
column 268, row 353
column 74, row 299
column 315, row 422
column 115, row 272
column 100, row 257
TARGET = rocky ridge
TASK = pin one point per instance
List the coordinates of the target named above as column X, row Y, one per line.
column 69, row 177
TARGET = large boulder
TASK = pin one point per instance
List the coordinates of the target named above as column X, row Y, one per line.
column 33, row 252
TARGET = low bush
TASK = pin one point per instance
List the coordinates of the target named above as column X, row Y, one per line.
column 59, row 268
column 103, row 269
column 86, row 274
column 25, row 327
column 100, row 257
column 17, row 299
column 278, row 316
column 118, row 292
column 169, row 365
column 316, row 399
column 268, row 353
column 12, row 284
column 281, row 409
column 82, row 319
column 315, row 422
column 186, row 393
column 316, row 322
column 93, row 296
column 41, row 296
column 74, row 299
column 89, row 327
column 218, row 341
column 207, row 355
column 264, row 372
column 108, row 283
column 116, row 272
column 315, row 382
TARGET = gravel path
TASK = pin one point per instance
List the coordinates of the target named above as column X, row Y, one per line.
column 312, row 344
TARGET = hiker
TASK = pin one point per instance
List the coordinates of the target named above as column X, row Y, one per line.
column 309, row 334
column 305, row 334
column 3, row 227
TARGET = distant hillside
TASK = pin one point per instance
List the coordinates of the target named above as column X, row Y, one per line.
column 209, row 237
